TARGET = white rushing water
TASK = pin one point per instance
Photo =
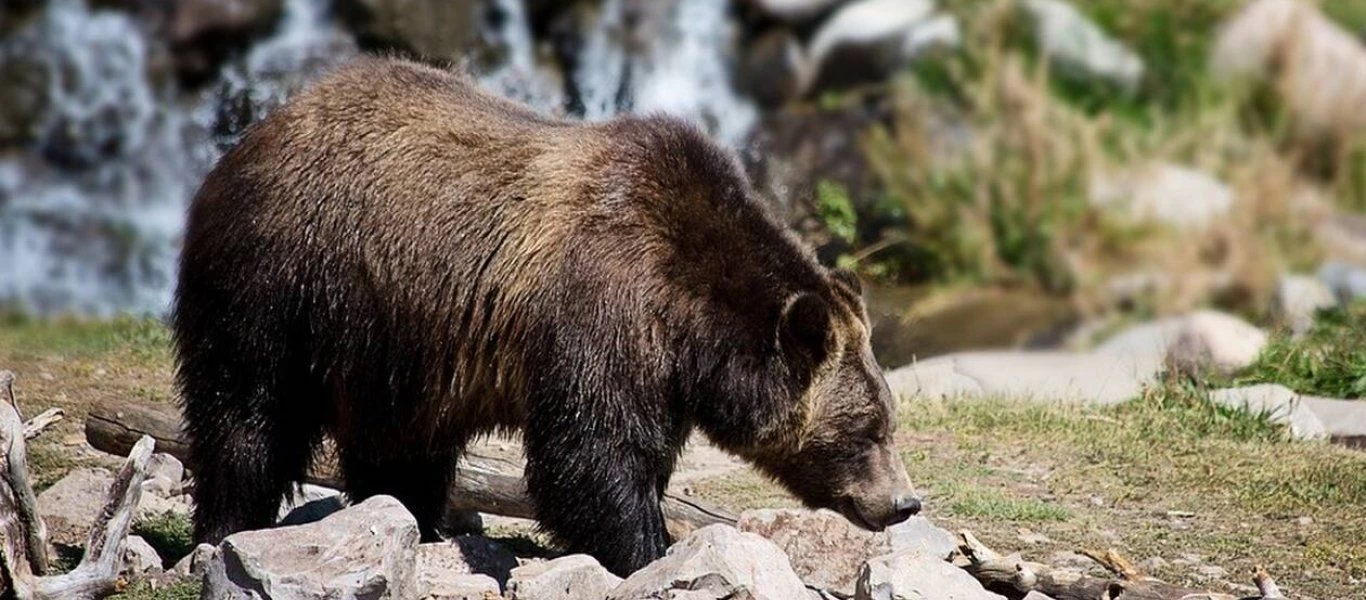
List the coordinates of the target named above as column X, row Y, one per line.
column 91, row 217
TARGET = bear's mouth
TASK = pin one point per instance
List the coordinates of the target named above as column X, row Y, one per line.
column 849, row 508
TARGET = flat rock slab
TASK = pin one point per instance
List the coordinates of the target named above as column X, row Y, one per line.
column 1067, row 377
column 69, row 507
column 365, row 552
column 825, row 549
column 565, row 578
column 1279, row 403
column 1344, row 421
column 908, row 576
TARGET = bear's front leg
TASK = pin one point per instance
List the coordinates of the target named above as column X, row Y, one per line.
column 597, row 493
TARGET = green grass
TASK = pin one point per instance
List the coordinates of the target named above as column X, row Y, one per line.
column 1329, row 360
column 170, row 534
column 179, row 590
column 971, row 502
column 146, row 339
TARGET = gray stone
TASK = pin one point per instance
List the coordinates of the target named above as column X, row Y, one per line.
column 464, row 555
column 153, row 506
column 1165, row 193
column 69, row 507
column 164, row 475
column 1298, row 300
column 906, row 576
column 1199, row 341
column 1344, row 421
column 193, row 564
column 1079, row 47
column 825, row 549
column 564, row 578
column 795, row 10
column 367, row 551
column 1279, row 403
column 450, row 586
column 1347, row 282
column 715, row 562
column 139, row 559
column 1039, row 376
column 867, row 39
column 917, row 535
column 1033, row 595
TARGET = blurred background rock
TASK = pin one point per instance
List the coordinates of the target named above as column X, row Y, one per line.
column 1003, row 173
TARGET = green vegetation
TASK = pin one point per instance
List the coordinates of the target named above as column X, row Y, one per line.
column 178, row 590
column 1329, row 360
column 145, row 338
column 170, row 534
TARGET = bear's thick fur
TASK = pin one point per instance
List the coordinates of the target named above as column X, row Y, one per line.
column 402, row 262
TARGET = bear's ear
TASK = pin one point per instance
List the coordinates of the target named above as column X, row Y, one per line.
column 805, row 328
column 848, row 279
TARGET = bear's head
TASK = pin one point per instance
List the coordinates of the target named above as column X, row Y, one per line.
column 828, row 439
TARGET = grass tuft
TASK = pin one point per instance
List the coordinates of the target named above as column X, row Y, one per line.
column 170, row 534
column 1329, row 360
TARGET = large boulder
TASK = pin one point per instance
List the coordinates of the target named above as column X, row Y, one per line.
column 465, row 555
column 1165, row 193
column 565, row 578
column 139, row 559
column 368, row 551
column 1318, row 67
column 1079, row 47
column 716, row 562
column 909, row 576
column 70, row 506
column 824, row 548
column 865, row 40
column 1204, row 340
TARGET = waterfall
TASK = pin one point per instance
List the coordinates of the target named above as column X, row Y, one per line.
column 92, row 209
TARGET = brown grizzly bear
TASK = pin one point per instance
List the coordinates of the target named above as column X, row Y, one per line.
column 403, row 262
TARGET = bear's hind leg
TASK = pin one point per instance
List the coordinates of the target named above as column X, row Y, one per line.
column 252, row 437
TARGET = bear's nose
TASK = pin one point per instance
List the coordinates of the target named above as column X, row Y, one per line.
column 906, row 507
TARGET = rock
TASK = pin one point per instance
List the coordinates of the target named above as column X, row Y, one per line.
column 905, row 576
column 1211, row 572
column 70, row 506
column 1344, row 421
column 464, row 555
column 1298, row 300
column 1079, row 48
column 192, row 565
column 447, row 586
column 1280, row 403
column 1165, row 193
column 795, row 10
column 1318, row 68
column 203, row 33
column 366, row 551
column 1201, row 340
column 774, row 69
column 1033, row 595
column 153, row 506
column 824, row 548
column 1033, row 538
column 715, row 562
column 1035, row 376
column 164, row 475
column 917, row 535
column 564, row 578
column 436, row 29
column 1347, row 282
column 139, row 559
column 308, row 503
column 865, row 40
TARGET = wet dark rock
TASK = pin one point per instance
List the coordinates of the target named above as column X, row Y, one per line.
column 774, row 68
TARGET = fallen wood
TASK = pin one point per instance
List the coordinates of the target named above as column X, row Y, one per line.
column 23, row 537
column 1014, row 577
column 37, row 424
column 482, row 483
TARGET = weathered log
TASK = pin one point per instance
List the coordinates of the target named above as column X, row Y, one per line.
column 1014, row 577
column 23, row 537
column 37, row 424
column 482, row 483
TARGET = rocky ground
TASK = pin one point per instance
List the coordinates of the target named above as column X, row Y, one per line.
column 1194, row 491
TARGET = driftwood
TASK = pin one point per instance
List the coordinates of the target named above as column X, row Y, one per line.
column 1014, row 577
column 23, row 536
column 482, row 483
